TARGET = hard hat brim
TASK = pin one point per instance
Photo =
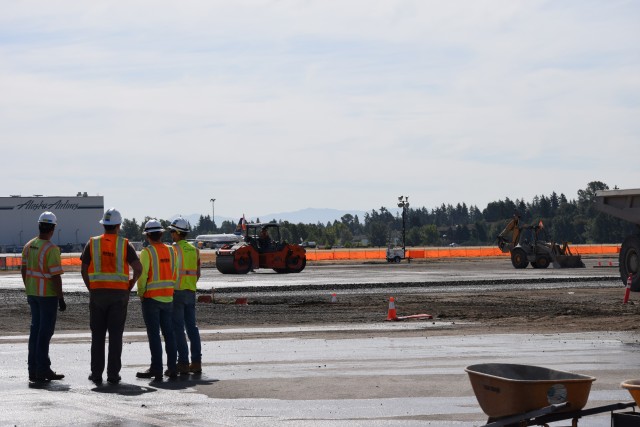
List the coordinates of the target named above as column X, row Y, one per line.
column 153, row 230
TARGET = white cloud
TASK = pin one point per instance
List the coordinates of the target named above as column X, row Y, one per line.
column 271, row 106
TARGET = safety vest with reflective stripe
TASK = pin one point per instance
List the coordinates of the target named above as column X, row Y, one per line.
column 108, row 268
column 42, row 261
column 161, row 276
column 187, row 257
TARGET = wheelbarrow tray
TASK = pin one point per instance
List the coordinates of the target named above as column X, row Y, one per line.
column 505, row 389
column 633, row 387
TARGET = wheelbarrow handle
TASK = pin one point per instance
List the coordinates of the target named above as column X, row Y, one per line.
column 516, row 419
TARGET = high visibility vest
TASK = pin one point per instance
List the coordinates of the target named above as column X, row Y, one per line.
column 187, row 257
column 108, row 268
column 161, row 276
column 42, row 261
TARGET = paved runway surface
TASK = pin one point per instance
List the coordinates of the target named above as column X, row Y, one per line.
column 380, row 381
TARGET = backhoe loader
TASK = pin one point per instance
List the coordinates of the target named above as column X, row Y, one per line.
column 532, row 248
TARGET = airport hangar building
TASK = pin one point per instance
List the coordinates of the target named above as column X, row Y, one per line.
column 78, row 218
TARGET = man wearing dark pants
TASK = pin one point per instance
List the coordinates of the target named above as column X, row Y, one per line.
column 155, row 289
column 105, row 272
column 41, row 270
column 184, row 298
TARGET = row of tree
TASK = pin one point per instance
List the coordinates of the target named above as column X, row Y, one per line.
column 573, row 220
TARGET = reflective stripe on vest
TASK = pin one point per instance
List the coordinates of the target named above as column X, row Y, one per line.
column 161, row 275
column 186, row 266
column 108, row 268
column 37, row 277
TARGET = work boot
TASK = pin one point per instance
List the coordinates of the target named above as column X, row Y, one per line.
column 53, row 376
column 150, row 374
column 114, row 379
column 96, row 379
column 171, row 373
column 183, row 368
column 195, row 367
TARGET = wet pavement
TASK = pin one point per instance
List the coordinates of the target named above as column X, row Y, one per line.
column 266, row 380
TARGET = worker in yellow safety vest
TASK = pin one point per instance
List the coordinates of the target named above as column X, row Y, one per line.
column 41, row 270
column 155, row 289
column 184, row 298
column 105, row 271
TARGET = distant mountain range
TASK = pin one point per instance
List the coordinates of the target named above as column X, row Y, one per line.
column 305, row 216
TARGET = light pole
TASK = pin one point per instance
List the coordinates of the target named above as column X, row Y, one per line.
column 20, row 237
column 213, row 213
column 77, row 229
column 403, row 202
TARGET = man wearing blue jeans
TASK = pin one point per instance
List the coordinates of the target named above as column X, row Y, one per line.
column 184, row 298
column 41, row 270
column 155, row 289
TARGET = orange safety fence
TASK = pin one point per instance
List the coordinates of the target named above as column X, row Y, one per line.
column 15, row 261
column 11, row 261
column 433, row 253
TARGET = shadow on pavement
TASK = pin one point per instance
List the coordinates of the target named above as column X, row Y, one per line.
column 50, row 386
column 182, row 382
column 123, row 389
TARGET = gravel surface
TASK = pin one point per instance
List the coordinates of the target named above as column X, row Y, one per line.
column 513, row 310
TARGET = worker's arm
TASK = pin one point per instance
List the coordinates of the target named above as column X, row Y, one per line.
column 54, row 265
column 198, row 273
column 84, row 272
column 137, row 272
column 142, row 280
column 23, row 267
column 85, row 258
column 57, row 286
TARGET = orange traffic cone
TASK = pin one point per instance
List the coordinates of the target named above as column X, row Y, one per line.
column 391, row 315
column 334, row 297
column 627, row 291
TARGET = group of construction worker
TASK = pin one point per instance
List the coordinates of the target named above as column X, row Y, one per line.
column 166, row 278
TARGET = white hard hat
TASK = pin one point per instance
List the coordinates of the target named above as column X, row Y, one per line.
column 152, row 226
column 180, row 224
column 111, row 217
column 48, row 218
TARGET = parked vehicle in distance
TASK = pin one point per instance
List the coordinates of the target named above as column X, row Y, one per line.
column 215, row 241
column 395, row 254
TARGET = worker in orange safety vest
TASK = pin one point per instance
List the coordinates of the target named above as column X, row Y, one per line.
column 105, row 271
column 155, row 289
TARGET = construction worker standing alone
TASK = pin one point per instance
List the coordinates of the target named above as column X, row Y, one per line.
column 155, row 289
column 41, row 270
column 184, row 298
column 105, row 272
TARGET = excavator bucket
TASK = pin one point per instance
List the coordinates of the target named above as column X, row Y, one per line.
column 568, row 261
column 564, row 258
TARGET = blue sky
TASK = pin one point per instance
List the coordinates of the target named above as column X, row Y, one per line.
column 274, row 106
